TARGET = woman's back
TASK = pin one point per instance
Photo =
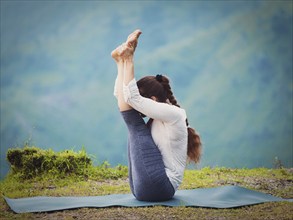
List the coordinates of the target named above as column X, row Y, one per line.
column 171, row 139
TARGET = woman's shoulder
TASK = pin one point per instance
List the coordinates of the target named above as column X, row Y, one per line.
column 181, row 111
column 178, row 113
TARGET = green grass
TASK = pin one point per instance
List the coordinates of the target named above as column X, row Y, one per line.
column 103, row 180
column 274, row 181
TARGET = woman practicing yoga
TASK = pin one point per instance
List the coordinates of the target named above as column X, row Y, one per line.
column 157, row 151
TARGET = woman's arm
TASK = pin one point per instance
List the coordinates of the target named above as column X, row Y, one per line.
column 132, row 98
column 152, row 109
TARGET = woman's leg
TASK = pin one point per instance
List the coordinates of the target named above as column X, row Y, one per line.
column 121, row 103
column 148, row 176
column 149, row 179
column 123, row 55
column 123, row 106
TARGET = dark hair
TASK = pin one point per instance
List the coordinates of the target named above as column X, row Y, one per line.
column 159, row 87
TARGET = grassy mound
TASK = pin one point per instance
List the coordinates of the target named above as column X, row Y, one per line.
column 32, row 162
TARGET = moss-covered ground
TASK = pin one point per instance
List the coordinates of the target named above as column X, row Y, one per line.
column 278, row 182
column 103, row 180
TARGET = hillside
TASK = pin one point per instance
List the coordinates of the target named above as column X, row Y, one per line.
column 230, row 64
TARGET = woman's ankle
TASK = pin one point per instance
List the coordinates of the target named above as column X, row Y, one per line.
column 128, row 59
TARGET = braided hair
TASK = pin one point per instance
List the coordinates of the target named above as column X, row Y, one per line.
column 159, row 87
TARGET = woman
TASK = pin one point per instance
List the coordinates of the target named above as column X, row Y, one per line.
column 158, row 150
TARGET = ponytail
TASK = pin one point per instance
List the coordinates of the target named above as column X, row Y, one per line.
column 193, row 145
column 159, row 86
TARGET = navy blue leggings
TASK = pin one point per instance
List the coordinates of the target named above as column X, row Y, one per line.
column 147, row 176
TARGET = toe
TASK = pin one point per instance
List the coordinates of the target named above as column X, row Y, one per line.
column 134, row 35
column 138, row 32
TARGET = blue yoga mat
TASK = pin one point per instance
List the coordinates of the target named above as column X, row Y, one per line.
column 219, row 197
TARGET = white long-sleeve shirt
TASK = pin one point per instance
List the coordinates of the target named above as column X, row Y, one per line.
column 168, row 130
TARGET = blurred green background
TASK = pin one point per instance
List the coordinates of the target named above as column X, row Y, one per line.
column 230, row 64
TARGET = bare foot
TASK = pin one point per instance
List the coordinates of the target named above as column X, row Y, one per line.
column 126, row 50
column 116, row 53
column 129, row 47
column 133, row 38
column 122, row 52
